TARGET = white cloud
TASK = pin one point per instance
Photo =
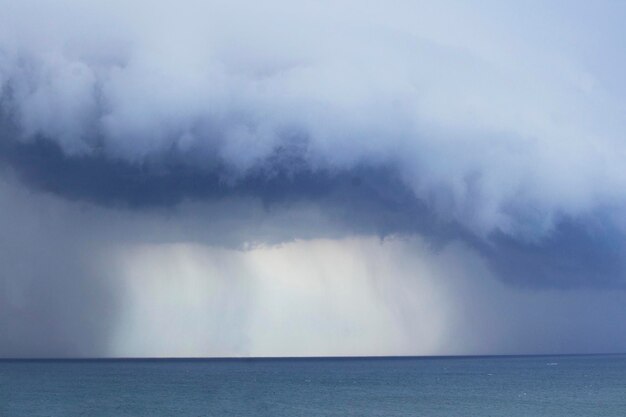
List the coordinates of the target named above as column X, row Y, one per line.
column 494, row 115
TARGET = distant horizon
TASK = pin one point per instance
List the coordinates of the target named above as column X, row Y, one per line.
column 226, row 358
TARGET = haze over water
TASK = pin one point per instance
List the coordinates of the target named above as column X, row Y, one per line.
column 477, row 386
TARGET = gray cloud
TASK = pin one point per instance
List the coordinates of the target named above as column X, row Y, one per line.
column 578, row 251
column 238, row 125
column 496, row 128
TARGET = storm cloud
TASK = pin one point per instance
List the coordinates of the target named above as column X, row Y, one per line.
column 211, row 126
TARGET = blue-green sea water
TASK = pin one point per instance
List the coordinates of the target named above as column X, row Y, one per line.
column 485, row 386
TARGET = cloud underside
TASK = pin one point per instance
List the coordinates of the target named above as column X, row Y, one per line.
column 584, row 250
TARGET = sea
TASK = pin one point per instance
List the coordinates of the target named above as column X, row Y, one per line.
column 593, row 385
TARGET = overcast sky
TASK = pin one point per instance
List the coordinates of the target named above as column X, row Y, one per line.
column 212, row 178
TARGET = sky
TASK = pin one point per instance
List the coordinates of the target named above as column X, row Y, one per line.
column 311, row 178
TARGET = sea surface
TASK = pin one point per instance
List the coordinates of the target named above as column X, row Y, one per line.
column 480, row 386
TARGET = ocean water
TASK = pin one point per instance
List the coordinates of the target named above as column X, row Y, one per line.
column 488, row 386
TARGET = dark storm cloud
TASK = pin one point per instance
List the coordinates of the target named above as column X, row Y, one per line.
column 375, row 198
column 578, row 252
column 164, row 181
column 230, row 124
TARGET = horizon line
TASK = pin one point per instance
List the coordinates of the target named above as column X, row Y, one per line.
column 270, row 358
